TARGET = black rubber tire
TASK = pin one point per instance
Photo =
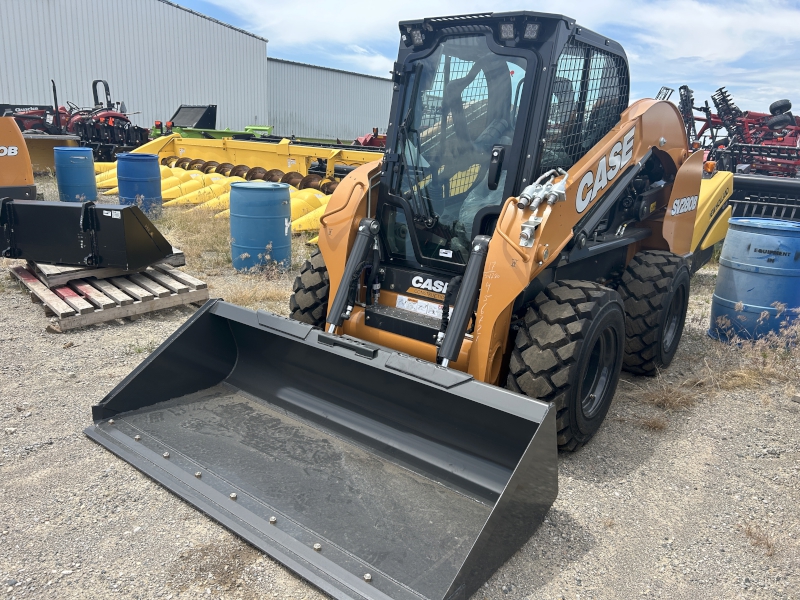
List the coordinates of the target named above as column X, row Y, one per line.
column 778, row 122
column 309, row 302
column 655, row 290
column 573, row 332
column 780, row 106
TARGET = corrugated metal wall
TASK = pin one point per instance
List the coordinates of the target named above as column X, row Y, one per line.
column 154, row 55
column 316, row 102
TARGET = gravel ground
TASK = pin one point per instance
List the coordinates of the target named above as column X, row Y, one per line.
column 690, row 489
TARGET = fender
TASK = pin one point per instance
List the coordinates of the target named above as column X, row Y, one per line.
column 679, row 220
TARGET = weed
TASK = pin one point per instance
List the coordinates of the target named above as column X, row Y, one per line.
column 759, row 538
column 141, row 347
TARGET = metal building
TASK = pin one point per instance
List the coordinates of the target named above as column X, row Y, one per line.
column 157, row 55
column 332, row 104
column 154, row 54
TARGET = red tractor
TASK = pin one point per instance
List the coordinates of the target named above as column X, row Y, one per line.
column 105, row 127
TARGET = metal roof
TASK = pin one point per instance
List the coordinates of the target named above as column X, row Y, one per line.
column 292, row 62
column 189, row 10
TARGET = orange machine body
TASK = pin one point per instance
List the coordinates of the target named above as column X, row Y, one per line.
column 647, row 126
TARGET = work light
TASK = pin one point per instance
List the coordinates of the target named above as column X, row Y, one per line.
column 506, row 31
column 531, row 31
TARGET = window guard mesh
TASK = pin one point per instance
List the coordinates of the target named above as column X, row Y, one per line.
column 590, row 91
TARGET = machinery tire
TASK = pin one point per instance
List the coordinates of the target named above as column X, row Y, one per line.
column 569, row 352
column 778, row 122
column 309, row 302
column 779, row 107
column 655, row 290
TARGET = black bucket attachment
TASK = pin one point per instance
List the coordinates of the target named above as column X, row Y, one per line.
column 369, row 473
column 81, row 234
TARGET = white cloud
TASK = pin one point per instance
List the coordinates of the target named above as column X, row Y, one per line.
column 749, row 47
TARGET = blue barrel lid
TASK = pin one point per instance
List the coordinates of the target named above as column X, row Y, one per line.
column 73, row 149
column 259, row 184
column 764, row 223
column 136, row 156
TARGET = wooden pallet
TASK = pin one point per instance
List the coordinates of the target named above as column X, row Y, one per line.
column 56, row 275
column 91, row 300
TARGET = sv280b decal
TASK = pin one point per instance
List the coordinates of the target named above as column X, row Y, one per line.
column 682, row 205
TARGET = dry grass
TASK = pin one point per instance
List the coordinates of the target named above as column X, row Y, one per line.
column 251, row 289
column 206, row 242
column 759, row 538
column 656, row 423
column 609, row 523
column 748, row 364
column 665, row 394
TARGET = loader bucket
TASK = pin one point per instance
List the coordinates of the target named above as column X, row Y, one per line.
column 368, row 473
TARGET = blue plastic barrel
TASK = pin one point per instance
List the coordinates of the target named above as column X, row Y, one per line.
column 75, row 174
column 758, row 283
column 261, row 223
column 139, row 181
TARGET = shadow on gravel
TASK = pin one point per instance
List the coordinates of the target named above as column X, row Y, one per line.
column 558, row 543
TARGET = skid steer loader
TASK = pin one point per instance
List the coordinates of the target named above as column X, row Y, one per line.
column 477, row 293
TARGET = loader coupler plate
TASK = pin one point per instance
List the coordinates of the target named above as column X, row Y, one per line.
column 366, row 480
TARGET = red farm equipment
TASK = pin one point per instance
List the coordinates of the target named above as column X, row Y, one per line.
column 753, row 142
column 105, row 127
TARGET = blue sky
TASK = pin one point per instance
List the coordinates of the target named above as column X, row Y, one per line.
column 751, row 48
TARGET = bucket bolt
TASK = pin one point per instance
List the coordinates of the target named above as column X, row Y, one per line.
column 198, row 474
column 111, row 421
column 233, row 496
column 273, row 520
column 138, row 438
column 165, row 455
column 367, row 577
column 317, row 547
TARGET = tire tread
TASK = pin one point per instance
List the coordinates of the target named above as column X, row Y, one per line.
column 548, row 343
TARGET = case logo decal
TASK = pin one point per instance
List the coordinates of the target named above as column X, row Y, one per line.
column 595, row 181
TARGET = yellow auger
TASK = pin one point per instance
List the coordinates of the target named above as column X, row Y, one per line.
column 219, row 185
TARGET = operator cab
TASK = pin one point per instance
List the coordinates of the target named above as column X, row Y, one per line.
column 477, row 115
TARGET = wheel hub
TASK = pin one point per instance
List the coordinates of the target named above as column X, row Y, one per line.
column 672, row 322
column 599, row 373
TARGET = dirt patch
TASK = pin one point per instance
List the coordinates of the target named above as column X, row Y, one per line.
column 218, row 567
